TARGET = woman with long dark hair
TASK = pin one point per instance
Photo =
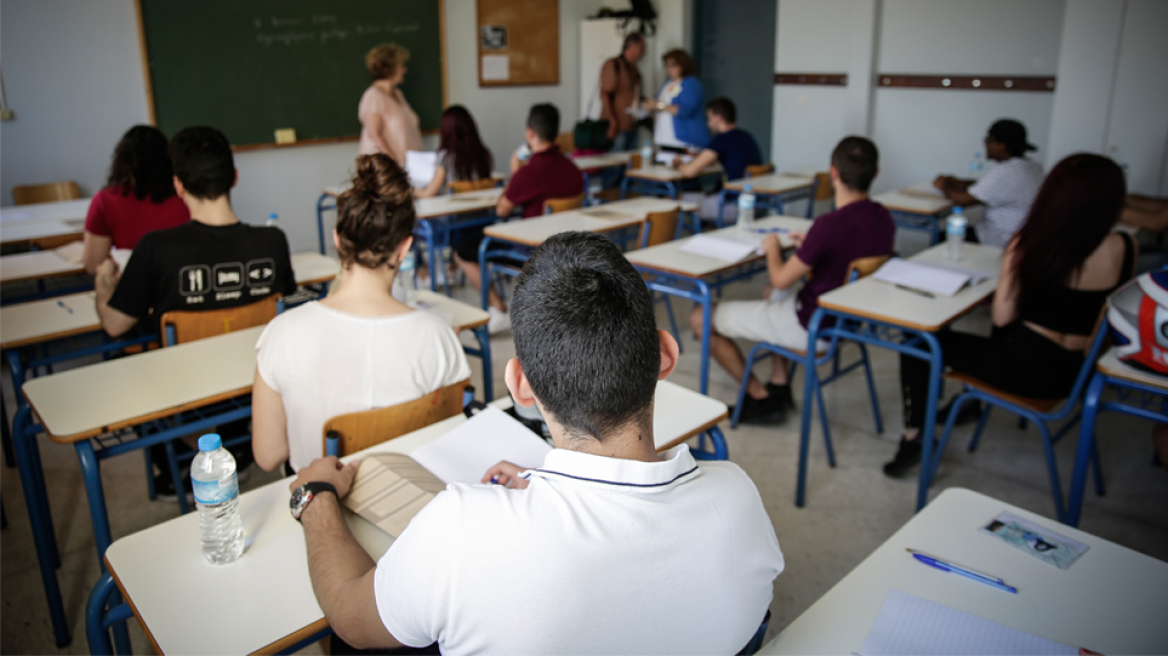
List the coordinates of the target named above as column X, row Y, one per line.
column 1057, row 272
column 138, row 197
column 461, row 153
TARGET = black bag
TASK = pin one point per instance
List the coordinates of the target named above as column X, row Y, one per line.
column 592, row 135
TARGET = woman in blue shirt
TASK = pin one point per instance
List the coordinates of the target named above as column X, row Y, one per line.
column 680, row 119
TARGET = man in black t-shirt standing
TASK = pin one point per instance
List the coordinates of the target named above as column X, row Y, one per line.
column 212, row 262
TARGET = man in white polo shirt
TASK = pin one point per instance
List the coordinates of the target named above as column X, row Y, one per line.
column 607, row 547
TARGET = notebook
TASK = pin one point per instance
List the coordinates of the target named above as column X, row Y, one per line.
column 932, row 278
column 724, row 246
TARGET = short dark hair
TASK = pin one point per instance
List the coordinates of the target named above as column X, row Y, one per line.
column 723, row 107
column 683, row 61
column 586, row 335
column 544, row 120
column 631, row 38
column 856, row 159
column 202, row 161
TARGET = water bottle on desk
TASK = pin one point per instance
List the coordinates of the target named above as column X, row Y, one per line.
column 404, row 287
column 955, row 233
column 217, row 497
column 273, row 220
column 646, row 154
column 746, row 203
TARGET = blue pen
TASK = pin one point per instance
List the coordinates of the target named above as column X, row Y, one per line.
column 61, row 304
column 963, row 571
column 763, row 231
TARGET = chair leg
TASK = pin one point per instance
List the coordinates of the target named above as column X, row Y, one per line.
column 826, row 429
column 981, row 422
column 871, row 389
column 950, row 421
column 179, row 489
column 672, row 321
column 1022, row 423
column 750, row 358
column 1052, row 468
column 151, row 493
column 1097, row 465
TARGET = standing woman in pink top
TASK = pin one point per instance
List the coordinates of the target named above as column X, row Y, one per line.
column 388, row 124
column 138, row 197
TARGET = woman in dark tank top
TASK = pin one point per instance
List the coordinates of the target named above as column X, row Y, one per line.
column 1057, row 272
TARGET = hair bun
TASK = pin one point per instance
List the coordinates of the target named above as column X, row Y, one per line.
column 380, row 180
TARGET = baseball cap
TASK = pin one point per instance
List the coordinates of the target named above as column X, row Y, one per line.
column 1012, row 134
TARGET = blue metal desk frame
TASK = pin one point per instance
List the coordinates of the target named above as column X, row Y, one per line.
column 928, row 223
column 771, row 201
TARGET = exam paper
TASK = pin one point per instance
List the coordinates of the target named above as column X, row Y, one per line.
column 466, row 453
column 725, row 247
column 122, row 257
column 925, row 277
column 908, row 624
column 71, row 252
column 420, row 167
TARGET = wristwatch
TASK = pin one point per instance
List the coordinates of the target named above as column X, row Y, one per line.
column 304, row 494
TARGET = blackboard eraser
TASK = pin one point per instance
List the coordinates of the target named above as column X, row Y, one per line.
column 286, row 136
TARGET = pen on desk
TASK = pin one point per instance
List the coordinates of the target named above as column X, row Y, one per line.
column 764, row 231
column 62, row 304
column 916, row 291
column 945, row 566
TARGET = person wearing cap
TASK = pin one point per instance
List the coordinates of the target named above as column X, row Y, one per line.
column 1007, row 190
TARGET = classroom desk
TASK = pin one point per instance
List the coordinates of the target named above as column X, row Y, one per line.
column 880, row 314
column 36, row 265
column 273, row 608
column 214, row 377
column 687, row 275
column 778, row 188
column 600, row 162
column 1111, row 600
column 655, row 180
column 1140, row 393
column 61, row 221
column 916, row 210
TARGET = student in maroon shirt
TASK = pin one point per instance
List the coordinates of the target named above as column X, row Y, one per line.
column 545, row 174
column 858, row 228
column 138, row 197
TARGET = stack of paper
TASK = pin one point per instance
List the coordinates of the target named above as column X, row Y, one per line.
column 724, row 246
column 929, row 278
column 420, row 167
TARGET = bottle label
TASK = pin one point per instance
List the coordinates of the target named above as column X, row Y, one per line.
column 210, row 493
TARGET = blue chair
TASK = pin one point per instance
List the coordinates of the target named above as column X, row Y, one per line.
column 856, row 270
column 1041, row 412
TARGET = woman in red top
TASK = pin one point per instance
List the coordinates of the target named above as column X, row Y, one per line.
column 138, row 197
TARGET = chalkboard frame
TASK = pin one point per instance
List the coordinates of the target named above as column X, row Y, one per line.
column 144, row 55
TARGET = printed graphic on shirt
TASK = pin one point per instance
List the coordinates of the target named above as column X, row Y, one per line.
column 228, row 276
column 261, row 274
column 195, row 279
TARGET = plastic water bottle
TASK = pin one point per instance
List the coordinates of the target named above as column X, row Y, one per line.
column 273, row 220
column 646, row 154
column 976, row 165
column 955, row 233
column 746, row 202
column 523, row 152
column 217, row 496
column 404, row 287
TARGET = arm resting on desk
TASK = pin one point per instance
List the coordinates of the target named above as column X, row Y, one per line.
column 505, row 207
column 96, row 251
column 114, row 322
column 340, row 569
column 782, row 274
column 704, row 159
column 1145, row 212
column 956, row 189
column 269, row 425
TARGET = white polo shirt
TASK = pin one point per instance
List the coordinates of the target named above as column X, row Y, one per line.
column 1007, row 189
column 598, row 555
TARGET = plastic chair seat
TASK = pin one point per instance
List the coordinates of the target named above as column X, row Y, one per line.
column 1037, row 405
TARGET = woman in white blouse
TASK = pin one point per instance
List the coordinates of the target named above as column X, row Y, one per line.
column 388, row 123
column 359, row 348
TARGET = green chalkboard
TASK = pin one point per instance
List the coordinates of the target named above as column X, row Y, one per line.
column 250, row 67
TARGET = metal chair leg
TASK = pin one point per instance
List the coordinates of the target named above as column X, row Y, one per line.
column 826, row 428
column 871, row 389
column 1052, row 468
column 981, row 422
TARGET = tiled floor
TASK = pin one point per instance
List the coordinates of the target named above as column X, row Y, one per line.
column 850, row 509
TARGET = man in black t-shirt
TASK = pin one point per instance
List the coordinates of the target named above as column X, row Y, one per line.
column 210, row 263
column 730, row 146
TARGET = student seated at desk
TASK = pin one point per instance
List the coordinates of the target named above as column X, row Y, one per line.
column 607, row 547
column 1057, row 273
column 545, row 173
column 1006, row 190
column 461, row 153
column 359, row 348
column 731, row 146
column 859, row 227
column 138, row 197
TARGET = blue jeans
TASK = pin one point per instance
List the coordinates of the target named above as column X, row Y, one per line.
column 624, row 141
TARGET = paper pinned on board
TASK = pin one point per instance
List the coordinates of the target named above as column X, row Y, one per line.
column 908, row 624
column 496, row 68
column 466, row 453
column 725, row 247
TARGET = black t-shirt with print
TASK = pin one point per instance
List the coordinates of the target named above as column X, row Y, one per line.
column 201, row 267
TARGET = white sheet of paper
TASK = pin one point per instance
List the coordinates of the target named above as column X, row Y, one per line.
column 925, row 277
column 908, row 624
column 466, row 453
column 71, row 252
column 724, row 247
column 496, row 68
column 15, row 215
column 121, row 256
column 420, row 167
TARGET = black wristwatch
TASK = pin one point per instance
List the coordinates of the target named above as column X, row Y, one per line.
column 304, row 494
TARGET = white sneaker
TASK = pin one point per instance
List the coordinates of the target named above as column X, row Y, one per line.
column 500, row 322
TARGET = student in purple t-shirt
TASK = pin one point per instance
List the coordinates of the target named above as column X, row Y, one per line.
column 858, row 228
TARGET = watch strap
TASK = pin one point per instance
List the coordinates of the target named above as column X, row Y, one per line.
column 314, row 488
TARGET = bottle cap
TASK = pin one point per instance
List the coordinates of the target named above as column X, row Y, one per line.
column 958, row 210
column 210, row 442
column 273, row 216
column 747, row 188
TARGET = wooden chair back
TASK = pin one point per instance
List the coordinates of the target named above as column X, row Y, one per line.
column 567, row 142
column 635, row 161
column 552, row 205
column 823, row 189
column 46, row 193
column 659, row 227
column 462, row 186
column 864, row 266
column 759, row 169
column 360, row 430
column 180, row 326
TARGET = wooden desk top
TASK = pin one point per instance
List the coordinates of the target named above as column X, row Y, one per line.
column 669, row 257
column 889, row 304
column 1111, row 365
column 912, row 202
column 598, row 218
column 274, row 605
column 463, row 316
column 46, row 320
column 772, row 184
column 314, row 268
column 667, row 173
column 1111, row 600
column 24, row 231
column 37, row 264
column 603, row 160
column 465, row 203
column 65, row 210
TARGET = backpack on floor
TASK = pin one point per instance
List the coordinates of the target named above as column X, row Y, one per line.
column 1138, row 314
